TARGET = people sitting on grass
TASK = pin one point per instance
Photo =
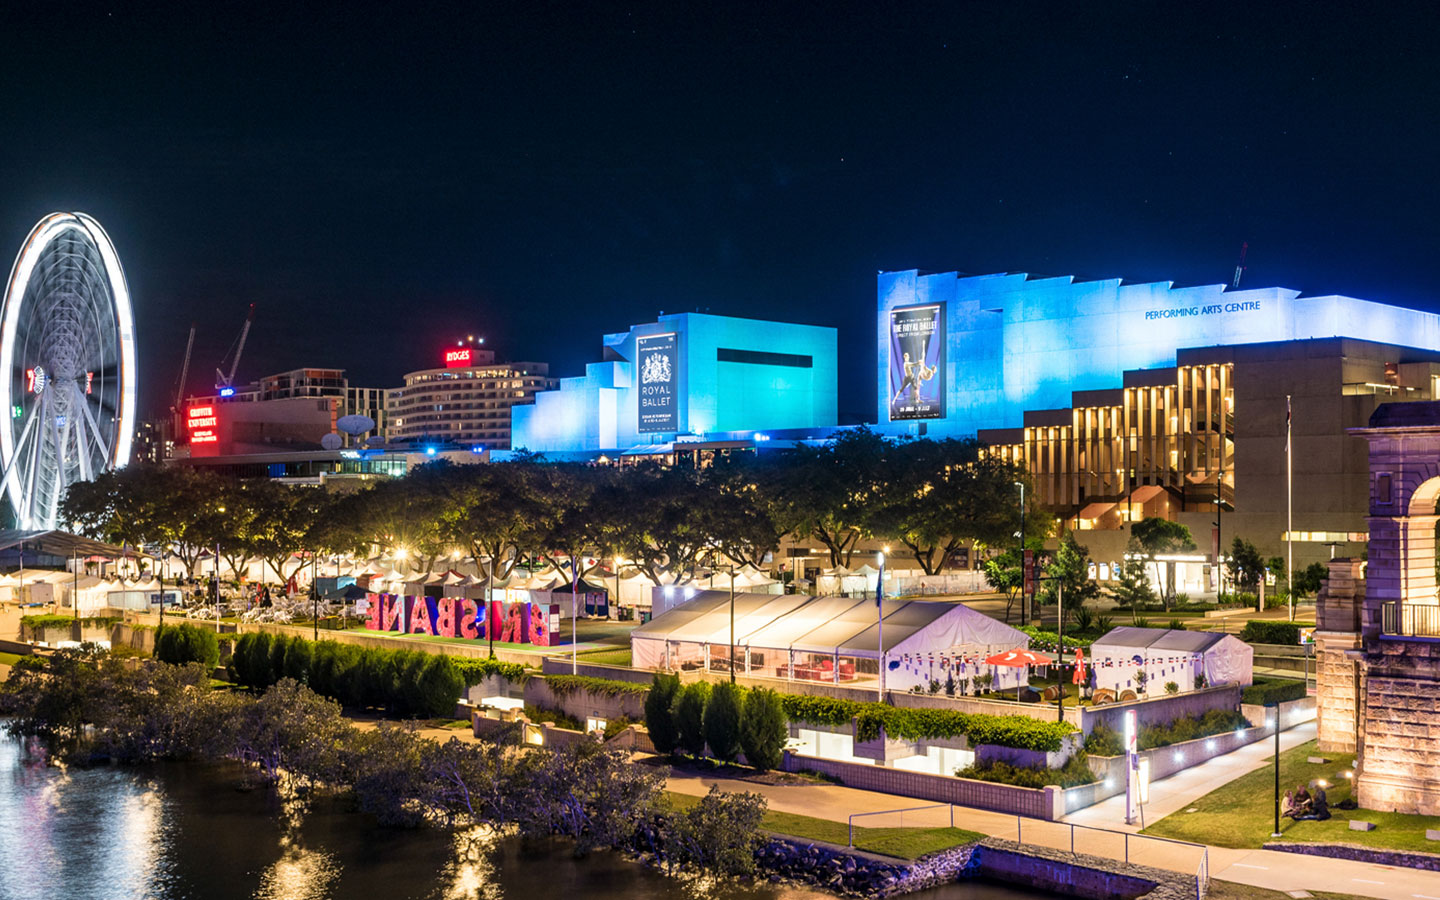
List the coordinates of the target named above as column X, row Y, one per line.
column 1302, row 806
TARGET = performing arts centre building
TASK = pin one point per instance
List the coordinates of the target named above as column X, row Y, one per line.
column 1130, row 400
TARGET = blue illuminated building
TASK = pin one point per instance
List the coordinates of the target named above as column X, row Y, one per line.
column 1015, row 342
column 685, row 376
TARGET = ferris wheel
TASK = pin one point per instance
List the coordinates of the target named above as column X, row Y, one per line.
column 67, row 366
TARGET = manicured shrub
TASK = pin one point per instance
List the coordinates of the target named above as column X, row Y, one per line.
column 439, row 685
column 1268, row 692
column 658, row 719
column 185, row 643
column 298, row 660
column 252, row 660
column 279, row 646
column 1074, row 773
column 1271, row 633
column 689, row 716
column 475, row 670
column 560, row 685
column 722, row 721
column 1104, row 741
column 763, row 729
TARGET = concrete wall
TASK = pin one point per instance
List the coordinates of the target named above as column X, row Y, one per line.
column 1399, row 769
column 1076, row 875
column 1161, row 710
column 1045, row 803
column 581, row 704
column 1166, row 761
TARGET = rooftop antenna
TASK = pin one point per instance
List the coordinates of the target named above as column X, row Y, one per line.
column 1240, row 266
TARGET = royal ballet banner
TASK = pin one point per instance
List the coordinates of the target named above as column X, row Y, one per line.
column 516, row 622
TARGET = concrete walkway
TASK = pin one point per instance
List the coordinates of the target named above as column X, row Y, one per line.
column 1260, row 868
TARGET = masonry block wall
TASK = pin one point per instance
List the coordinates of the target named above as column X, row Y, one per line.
column 1400, row 765
column 1338, row 663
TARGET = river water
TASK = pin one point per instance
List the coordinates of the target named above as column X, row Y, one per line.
column 183, row 831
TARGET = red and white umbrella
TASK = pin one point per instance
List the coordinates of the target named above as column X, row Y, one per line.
column 1079, row 676
column 1020, row 656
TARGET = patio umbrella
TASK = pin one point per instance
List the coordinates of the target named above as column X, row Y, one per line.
column 1020, row 656
column 1079, row 676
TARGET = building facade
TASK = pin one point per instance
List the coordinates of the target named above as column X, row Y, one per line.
column 468, row 401
column 684, row 376
column 1127, row 401
column 1378, row 623
column 291, row 410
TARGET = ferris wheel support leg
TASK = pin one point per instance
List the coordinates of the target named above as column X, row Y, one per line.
column 20, row 444
column 62, row 445
column 43, row 410
column 94, row 428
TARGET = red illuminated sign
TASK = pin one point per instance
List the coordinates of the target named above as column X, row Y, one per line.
column 454, row 359
column 201, row 421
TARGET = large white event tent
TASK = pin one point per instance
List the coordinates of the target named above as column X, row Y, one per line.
column 1169, row 656
column 833, row 639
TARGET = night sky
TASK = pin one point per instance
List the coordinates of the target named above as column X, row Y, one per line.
column 379, row 181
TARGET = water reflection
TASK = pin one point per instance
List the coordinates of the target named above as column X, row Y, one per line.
column 193, row 832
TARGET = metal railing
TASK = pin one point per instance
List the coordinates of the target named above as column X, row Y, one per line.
column 1400, row 619
column 901, row 812
column 1202, row 871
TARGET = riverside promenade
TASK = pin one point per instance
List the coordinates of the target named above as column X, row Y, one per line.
column 1270, row 869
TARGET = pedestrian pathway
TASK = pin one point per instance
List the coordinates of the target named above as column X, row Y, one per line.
column 1259, row 868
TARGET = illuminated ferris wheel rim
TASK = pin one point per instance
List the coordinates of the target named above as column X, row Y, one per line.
column 46, row 232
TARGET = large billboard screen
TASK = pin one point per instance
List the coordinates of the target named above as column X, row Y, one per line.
column 917, row 362
column 658, row 364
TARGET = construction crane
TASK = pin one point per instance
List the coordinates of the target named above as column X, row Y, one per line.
column 225, row 382
column 1240, row 266
column 184, row 371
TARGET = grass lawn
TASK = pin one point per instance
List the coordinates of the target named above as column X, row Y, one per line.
column 902, row 843
column 617, row 657
column 1242, row 813
column 9, row 659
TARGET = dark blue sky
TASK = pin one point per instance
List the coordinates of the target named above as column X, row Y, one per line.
column 380, row 180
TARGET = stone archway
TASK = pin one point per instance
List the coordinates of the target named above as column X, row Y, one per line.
column 1417, row 559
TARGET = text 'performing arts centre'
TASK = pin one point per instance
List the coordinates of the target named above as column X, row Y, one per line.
column 1129, row 400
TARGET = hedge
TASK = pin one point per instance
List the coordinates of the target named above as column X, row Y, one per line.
column 560, row 685
column 919, row 724
column 406, row 682
column 1269, row 692
column 1271, row 633
column 1052, row 638
column 52, row 620
column 181, row 644
column 476, row 670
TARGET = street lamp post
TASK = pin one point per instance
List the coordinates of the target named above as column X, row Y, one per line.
column 880, row 618
column 731, row 568
column 1276, row 832
column 1021, row 535
column 485, row 603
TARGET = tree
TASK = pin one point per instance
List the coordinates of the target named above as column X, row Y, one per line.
column 663, row 536
column 826, row 491
column 1006, row 573
column 763, row 729
column 185, row 643
column 1156, row 537
column 1070, row 568
column 939, row 496
column 488, row 510
column 1309, row 580
column 658, row 719
column 1246, row 564
column 722, row 721
column 1132, row 587
column 689, row 717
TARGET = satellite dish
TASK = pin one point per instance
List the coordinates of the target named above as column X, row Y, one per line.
column 355, row 425
column 376, row 441
column 331, row 441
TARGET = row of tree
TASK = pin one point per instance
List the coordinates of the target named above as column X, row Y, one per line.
column 86, row 705
column 932, row 498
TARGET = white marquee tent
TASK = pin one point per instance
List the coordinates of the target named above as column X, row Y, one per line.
column 1168, row 656
column 833, row 639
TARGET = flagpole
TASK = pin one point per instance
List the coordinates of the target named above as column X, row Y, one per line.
column 1289, row 514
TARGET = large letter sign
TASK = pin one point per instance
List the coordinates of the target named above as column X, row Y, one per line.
column 657, row 371
column 917, row 362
